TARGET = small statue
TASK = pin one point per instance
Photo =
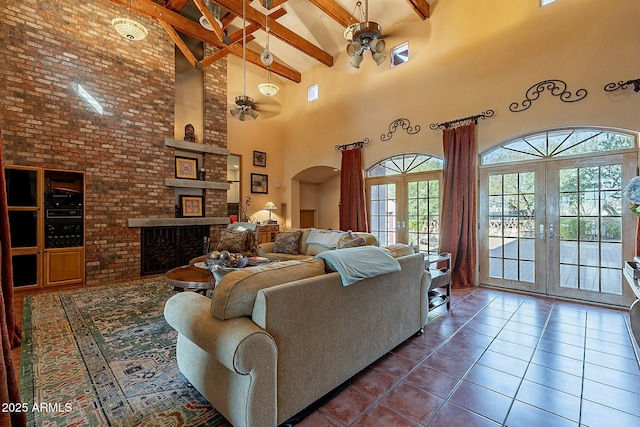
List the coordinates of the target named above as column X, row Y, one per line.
column 189, row 133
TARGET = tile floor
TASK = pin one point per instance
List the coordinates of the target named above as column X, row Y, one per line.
column 500, row 358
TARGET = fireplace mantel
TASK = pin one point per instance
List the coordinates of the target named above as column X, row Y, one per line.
column 176, row 222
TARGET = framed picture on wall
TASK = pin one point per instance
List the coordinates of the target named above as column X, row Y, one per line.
column 259, row 183
column 186, row 168
column 260, row 159
column 192, row 206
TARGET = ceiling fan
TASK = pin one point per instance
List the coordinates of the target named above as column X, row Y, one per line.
column 245, row 105
column 364, row 35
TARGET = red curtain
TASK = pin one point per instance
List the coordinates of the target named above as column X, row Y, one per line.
column 10, row 331
column 458, row 228
column 353, row 205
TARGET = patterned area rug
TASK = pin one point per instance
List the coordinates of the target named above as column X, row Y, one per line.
column 105, row 356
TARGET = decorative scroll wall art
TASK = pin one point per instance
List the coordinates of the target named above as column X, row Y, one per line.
column 556, row 87
column 623, row 85
column 404, row 124
column 361, row 143
column 462, row 121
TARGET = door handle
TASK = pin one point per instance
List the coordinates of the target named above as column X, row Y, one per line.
column 551, row 233
column 541, row 231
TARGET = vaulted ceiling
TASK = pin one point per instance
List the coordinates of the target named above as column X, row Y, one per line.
column 303, row 33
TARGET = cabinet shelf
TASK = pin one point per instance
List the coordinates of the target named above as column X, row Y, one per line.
column 440, row 278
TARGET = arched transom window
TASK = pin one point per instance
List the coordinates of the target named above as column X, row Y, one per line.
column 559, row 143
column 404, row 164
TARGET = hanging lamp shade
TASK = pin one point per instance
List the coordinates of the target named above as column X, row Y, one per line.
column 129, row 29
column 268, row 89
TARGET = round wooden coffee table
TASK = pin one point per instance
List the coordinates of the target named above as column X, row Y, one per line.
column 190, row 277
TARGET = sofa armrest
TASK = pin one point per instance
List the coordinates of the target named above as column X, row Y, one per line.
column 238, row 343
column 265, row 248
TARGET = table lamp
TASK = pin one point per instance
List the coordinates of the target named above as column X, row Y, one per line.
column 270, row 207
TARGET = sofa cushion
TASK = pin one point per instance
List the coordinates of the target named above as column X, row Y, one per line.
column 313, row 249
column 232, row 240
column 349, row 240
column 397, row 250
column 287, row 242
column 236, row 292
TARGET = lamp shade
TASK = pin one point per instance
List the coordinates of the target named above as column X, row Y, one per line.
column 129, row 29
column 269, row 207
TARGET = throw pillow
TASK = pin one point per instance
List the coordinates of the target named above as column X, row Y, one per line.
column 232, row 240
column 350, row 241
column 287, row 242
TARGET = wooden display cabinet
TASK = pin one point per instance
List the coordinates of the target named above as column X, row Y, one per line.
column 46, row 221
column 267, row 233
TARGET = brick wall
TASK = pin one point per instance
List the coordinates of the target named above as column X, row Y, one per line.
column 51, row 47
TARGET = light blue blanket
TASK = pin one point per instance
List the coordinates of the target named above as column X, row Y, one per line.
column 359, row 263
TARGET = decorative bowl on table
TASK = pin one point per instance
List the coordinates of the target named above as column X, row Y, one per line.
column 221, row 263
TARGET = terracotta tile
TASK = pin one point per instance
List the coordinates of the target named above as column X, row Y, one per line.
column 347, row 406
column 551, row 400
column 493, row 379
column 519, row 335
column 503, row 363
column 522, row 414
column 482, row 401
column 462, row 349
column 394, row 365
column 490, row 320
column 374, row 383
column 512, row 349
column 428, row 339
column 557, row 380
column 564, row 337
column 432, row 380
column 472, row 337
column 319, row 419
column 454, row 415
column 613, row 397
column 482, row 328
column 412, row 351
column 612, row 377
column 382, row 416
column 620, row 362
column 413, row 402
column 449, row 364
column 594, row 414
column 599, row 339
column 558, row 362
column 563, row 349
column 625, row 350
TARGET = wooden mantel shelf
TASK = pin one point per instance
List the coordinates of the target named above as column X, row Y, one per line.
column 176, row 222
column 194, row 183
column 195, row 147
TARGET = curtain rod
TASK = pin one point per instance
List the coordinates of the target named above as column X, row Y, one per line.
column 364, row 141
column 462, row 121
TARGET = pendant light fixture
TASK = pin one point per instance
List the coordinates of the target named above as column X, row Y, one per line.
column 267, row 88
column 129, row 28
column 244, row 103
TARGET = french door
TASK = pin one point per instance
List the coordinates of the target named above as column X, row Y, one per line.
column 406, row 209
column 558, row 227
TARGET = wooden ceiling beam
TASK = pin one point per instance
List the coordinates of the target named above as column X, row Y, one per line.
column 251, row 28
column 279, row 31
column 176, row 5
column 219, row 55
column 421, row 7
column 184, row 25
column 181, row 44
column 209, row 17
column 335, row 11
